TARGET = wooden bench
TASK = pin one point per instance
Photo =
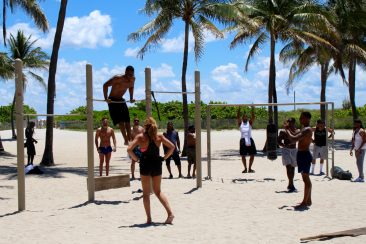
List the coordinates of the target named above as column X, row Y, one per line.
column 111, row 182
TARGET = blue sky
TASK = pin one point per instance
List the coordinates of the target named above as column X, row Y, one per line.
column 96, row 32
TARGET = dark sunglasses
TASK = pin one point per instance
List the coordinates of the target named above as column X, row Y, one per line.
column 136, row 120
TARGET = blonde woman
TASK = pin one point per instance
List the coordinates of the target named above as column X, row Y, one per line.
column 151, row 165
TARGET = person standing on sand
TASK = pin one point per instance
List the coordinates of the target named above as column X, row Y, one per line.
column 105, row 133
column 289, row 152
column 29, row 143
column 247, row 145
column 136, row 130
column 303, row 157
column 172, row 135
column 191, row 151
column 320, row 145
column 151, row 165
column 117, row 106
column 359, row 144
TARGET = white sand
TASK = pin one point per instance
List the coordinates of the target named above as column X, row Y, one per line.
column 232, row 208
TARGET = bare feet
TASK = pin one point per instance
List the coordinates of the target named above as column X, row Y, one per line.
column 148, row 221
column 302, row 206
column 169, row 220
column 126, row 143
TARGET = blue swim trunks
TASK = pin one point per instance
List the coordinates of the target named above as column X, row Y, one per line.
column 105, row 150
column 303, row 159
column 137, row 151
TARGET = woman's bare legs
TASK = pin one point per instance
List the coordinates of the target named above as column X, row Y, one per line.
column 145, row 182
column 156, row 183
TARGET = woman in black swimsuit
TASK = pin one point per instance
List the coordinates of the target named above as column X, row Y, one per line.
column 151, row 165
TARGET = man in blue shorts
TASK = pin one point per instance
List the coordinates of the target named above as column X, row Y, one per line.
column 303, row 157
column 105, row 133
column 136, row 130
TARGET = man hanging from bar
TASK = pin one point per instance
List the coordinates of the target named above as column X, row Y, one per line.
column 118, row 109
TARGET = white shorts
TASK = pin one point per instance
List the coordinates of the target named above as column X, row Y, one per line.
column 320, row 152
column 289, row 156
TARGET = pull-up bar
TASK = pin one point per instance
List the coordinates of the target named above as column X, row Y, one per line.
column 172, row 92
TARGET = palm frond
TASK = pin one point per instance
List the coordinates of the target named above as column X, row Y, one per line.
column 255, row 48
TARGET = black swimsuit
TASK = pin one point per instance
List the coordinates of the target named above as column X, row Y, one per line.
column 150, row 161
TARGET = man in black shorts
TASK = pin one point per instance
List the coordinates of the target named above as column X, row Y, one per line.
column 118, row 109
column 173, row 136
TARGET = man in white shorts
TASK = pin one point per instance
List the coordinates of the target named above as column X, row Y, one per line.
column 320, row 146
column 289, row 152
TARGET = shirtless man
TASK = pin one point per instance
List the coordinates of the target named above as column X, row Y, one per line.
column 191, row 151
column 118, row 109
column 136, row 130
column 289, row 152
column 303, row 158
column 104, row 148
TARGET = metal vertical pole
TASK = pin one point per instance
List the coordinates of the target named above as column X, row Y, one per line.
column 90, row 129
column 326, row 122
column 148, row 91
column 20, row 133
column 197, row 92
column 332, row 126
column 208, row 114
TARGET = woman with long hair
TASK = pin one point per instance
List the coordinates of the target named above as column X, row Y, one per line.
column 151, row 165
column 359, row 145
column 29, row 143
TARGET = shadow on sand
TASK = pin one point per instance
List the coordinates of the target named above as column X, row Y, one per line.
column 144, row 225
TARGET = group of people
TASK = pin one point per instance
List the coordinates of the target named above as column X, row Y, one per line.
column 144, row 145
column 299, row 155
column 143, row 142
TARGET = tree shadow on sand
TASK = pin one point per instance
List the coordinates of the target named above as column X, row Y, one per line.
column 7, row 155
column 10, row 172
column 233, row 154
column 342, row 144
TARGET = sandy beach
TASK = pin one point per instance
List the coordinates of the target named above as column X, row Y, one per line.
column 231, row 208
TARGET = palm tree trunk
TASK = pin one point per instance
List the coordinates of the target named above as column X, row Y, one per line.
column 323, row 80
column 352, row 87
column 272, row 79
column 14, row 136
column 47, row 159
column 184, row 86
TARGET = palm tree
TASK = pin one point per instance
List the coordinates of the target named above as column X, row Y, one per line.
column 304, row 57
column 47, row 159
column 6, row 73
column 33, row 59
column 272, row 21
column 31, row 8
column 350, row 23
column 197, row 17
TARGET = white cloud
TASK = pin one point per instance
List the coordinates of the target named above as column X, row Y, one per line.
column 176, row 44
column 80, row 32
column 131, row 52
column 164, row 71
